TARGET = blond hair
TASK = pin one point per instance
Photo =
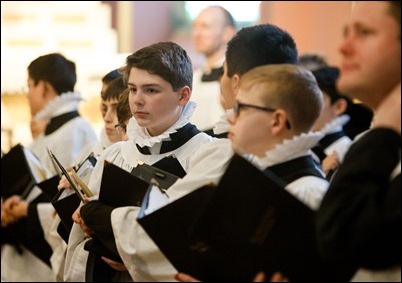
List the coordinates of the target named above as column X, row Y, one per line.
column 292, row 88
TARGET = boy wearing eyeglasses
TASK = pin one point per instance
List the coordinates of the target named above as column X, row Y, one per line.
column 276, row 107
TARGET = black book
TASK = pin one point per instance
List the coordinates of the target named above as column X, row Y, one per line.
column 49, row 186
column 65, row 202
column 178, row 217
column 120, row 188
column 20, row 171
column 249, row 223
column 148, row 172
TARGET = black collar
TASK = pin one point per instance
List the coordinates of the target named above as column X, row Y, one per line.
column 183, row 135
column 214, row 75
column 326, row 141
column 296, row 168
column 56, row 122
column 221, row 136
column 330, row 139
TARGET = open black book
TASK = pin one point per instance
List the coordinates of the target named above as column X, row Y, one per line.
column 248, row 223
column 118, row 188
column 20, row 171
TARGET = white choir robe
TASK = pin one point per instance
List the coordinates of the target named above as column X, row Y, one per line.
column 141, row 256
column 125, row 155
column 25, row 266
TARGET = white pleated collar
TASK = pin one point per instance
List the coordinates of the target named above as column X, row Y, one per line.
column 141, row 137
column 63, row 103
column 336, row 125
column 290, row 149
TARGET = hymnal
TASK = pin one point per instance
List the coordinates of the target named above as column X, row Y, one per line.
column 120, row 188
column 248, row 223
column 20, row 171
column 49, row 186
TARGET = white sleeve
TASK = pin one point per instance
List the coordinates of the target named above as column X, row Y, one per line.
column 141, row 256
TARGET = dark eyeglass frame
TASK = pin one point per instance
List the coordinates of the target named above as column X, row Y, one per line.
column 120, row 126
column 238, row 106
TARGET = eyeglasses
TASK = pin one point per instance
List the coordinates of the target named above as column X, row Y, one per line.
column 121, row 128
column 238, row 106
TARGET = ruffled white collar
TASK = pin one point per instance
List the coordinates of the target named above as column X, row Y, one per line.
column 336, row 125
column 141, row 136
column 222, row 126
column 63, row 103
column 290, row 149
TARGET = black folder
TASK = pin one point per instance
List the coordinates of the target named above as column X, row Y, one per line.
column 49, row 186
column 148, row 172
column 249, row 223
column 20, row 171
column 66, row 203
column 120, row 188
column 64, row 206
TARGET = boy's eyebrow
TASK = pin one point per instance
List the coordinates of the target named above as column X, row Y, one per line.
column 145, row 85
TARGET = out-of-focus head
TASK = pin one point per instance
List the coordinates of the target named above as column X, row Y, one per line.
column 108, row 106
column 123, row 114
column 312, row 61
column 371, row 51
column 108, row 78
column 252, row 47
column 55, row 69
column 48, row 76
column 212, row 29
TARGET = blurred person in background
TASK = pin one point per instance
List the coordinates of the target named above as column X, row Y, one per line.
column 212, row 29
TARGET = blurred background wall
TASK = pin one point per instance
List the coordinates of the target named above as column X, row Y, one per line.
column 98, row 36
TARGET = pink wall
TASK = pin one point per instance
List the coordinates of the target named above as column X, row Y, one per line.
column 315, row 25
column 150, row 22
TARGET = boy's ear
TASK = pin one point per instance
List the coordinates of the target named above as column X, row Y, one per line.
column 339, row 107
column 49, row 92
column 279, row 118
column 184, row 95
column 236, row 82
